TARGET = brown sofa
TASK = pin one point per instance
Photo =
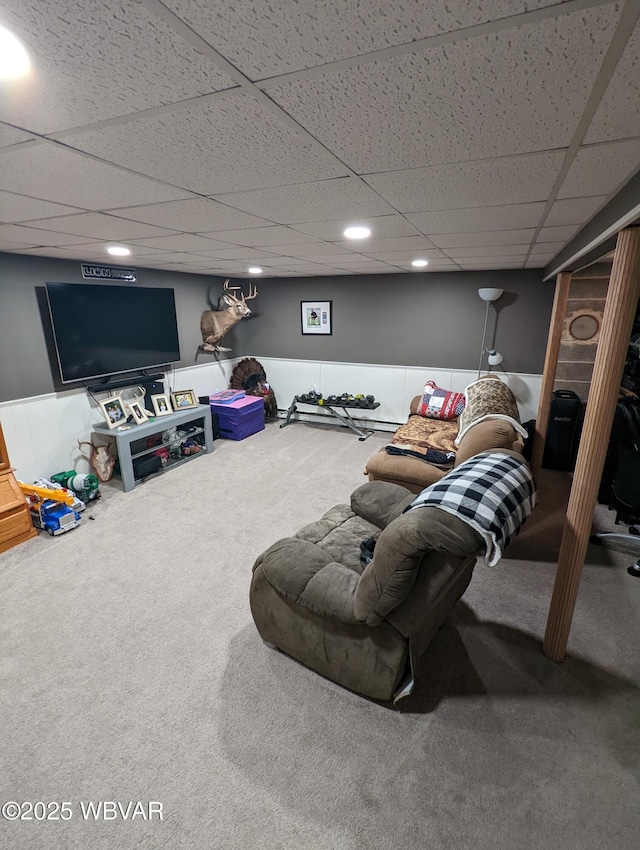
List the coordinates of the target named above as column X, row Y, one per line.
column 414, row 473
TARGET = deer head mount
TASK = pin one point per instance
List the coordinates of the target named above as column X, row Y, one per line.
column 214, row 324
column 101, row 459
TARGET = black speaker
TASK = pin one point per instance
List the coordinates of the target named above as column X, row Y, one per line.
column 562, row 431
column 215, row 420
column 152, row 388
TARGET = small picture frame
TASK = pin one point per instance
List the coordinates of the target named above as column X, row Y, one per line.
column 184, row 399
column 138, row 412
column 114, row 412
column 161, row 404
column 316, row 317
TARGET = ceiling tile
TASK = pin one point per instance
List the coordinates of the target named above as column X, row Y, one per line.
column 346, row 197
column 266, row 37
column 305, row 250
column 77, row 253
column 555, row 234
column 618, row 115
column 479, row 219
column 83, row 76
column 180, row 242
column 33, row 236
column 479, row 266
column 227, row 145
column 257, row 236
column 182, row 257
column 547, row 247
column 99, row 226
column 196, row 215
column 399, row 243
column 574, row 210
column 401, row 256
column 481, row 91
column 492, row 251
column 489, row 237
column 7, row 245
column 381, row 226
column 14, row 208
column 11, row 135
column 55, row 173
column 512, row 180
column 601, row 169
column 239, row 253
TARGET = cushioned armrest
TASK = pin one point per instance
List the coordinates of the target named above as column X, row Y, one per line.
column 399, row 553
column 380, row 501
column 304, row 573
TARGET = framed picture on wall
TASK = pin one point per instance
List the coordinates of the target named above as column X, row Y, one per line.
column 316, row 317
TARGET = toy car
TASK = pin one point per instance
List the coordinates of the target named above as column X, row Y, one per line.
column 54, row 517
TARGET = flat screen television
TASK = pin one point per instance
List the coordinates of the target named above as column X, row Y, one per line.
column 101, row 330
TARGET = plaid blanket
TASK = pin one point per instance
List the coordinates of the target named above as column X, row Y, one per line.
column 492, row 492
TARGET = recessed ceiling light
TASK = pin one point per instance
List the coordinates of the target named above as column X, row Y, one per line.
column 255, row 270
column 118, row 251
column 357, row 232
column 420, row 264
column 14, row 59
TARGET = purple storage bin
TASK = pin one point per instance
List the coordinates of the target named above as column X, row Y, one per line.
column 241, row 418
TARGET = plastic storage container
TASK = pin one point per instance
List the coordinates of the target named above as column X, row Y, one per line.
column 241, row 418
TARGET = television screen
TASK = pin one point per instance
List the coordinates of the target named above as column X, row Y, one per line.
column 101, row 330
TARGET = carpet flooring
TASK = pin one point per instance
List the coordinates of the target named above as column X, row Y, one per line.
column 131, row 671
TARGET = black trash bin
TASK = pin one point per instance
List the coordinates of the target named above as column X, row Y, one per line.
column 563, row 434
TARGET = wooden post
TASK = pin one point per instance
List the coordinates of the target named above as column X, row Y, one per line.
column 563, row 282
column 617, row 321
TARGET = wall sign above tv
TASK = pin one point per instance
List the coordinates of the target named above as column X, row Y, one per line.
column 90, row 270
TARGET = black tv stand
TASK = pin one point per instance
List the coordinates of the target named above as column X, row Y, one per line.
column 118, row 383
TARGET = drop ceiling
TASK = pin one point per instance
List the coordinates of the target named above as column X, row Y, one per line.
column 208, row 137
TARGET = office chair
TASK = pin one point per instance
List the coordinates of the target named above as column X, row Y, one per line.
column 625, row 489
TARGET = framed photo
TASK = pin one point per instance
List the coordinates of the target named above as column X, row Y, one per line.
column 161, row 404
column 184, row 399
column 113, row 411
column 139, row 413
column 316, row 317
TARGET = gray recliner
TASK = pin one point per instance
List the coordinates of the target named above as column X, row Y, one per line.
column 364, row 627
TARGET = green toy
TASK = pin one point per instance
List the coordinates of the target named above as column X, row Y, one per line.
column 84, row 486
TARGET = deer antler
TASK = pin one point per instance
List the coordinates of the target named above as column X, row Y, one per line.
column 249, row 296
column 231, row 298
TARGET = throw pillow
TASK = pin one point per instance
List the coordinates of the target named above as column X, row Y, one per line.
column 437, row 403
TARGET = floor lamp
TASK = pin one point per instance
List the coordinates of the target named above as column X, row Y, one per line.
column 488, row 295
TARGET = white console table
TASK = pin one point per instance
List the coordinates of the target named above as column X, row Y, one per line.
column 125, row 436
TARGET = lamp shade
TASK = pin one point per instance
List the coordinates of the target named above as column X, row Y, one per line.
column 494, row 358
column 490, row 294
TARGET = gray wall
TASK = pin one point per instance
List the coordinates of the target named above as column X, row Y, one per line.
column 417, row 319
column 406, row 319
column 24, row 355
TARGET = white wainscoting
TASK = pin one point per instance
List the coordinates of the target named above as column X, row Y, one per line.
column 393, row 387
column 42, row 432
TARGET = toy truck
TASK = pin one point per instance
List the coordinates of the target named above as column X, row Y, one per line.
column 54, row 517
column 50, row 509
